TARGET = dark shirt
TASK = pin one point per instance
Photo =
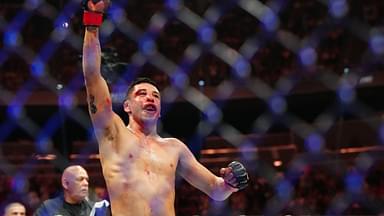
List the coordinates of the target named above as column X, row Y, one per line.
column 58, row 207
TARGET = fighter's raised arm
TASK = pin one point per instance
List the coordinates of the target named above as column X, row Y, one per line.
column 98, row 95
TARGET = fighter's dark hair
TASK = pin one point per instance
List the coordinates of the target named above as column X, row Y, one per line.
column 138, row 81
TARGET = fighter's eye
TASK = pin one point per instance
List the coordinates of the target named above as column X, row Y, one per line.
column 141, row 93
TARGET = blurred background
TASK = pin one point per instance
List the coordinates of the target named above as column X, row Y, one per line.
column 291, row 88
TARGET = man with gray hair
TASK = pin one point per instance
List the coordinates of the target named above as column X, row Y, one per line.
column 74, row 200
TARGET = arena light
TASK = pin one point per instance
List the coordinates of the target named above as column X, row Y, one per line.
column 47, row 157
column 277, row 163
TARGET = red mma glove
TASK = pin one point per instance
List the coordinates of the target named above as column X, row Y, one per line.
column 93, row 12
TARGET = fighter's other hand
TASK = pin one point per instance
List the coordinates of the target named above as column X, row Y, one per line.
column 235, row 175
column 96, row 5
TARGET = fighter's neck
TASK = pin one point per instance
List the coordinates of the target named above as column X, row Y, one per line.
column 142, row 130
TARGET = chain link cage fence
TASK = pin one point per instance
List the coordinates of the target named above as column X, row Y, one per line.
column 293, row 89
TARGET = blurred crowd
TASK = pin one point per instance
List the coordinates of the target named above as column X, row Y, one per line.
column 338, row 46
column 314, row 191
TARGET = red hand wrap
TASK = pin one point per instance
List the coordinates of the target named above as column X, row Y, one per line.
column 92, row 18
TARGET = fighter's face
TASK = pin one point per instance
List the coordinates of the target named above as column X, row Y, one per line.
column 144, row 102
column 78, row 185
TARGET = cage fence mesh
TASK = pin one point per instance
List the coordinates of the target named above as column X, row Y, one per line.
column 290, row 88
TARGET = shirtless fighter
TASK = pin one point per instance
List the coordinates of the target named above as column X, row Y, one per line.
column 138, row 165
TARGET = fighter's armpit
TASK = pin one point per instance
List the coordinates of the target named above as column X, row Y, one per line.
column 92, row 105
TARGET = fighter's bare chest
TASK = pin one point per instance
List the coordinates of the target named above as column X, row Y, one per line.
column 149, row 155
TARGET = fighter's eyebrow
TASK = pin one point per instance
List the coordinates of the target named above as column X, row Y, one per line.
column 140, row 91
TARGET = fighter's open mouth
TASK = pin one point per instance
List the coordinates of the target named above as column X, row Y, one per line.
column 150, row 108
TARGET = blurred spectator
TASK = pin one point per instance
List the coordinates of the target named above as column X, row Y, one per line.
column 238, row 203
column 5, row 186
column 15, row 209
column 100, row 193
column 74, row 201
column 33, row 200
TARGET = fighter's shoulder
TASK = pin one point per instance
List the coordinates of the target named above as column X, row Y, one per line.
column 172, row 141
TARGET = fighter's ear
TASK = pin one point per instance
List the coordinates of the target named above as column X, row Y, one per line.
column 127, row 107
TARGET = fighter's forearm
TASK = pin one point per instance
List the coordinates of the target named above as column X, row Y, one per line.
column 91, row 53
